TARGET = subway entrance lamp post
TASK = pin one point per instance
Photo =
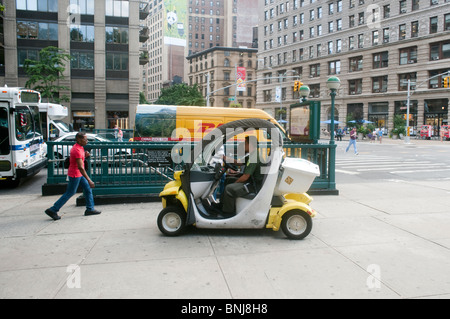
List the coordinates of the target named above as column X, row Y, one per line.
column 333, row 84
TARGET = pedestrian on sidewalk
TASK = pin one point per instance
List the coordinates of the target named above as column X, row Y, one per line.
column 352, row 141
column 77, row 176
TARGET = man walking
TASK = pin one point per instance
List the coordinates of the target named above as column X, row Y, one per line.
column 352, row 141
column 77, row 176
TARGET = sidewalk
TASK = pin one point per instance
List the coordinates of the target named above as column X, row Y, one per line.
column 363, row 245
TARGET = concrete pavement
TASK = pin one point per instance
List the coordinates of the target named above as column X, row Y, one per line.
column 385, row 239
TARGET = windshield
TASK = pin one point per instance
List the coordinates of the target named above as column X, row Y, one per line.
column 28, row 122
column 63, row 126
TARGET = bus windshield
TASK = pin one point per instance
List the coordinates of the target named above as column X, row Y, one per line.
column 28, row 123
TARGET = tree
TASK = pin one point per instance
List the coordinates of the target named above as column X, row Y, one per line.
column 181, row 94
column 45, row 74
column 142, row 99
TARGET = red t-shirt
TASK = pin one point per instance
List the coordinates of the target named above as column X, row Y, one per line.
column 77, row 151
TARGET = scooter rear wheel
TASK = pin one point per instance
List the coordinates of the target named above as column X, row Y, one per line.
column 296, row 224
column 172, row 221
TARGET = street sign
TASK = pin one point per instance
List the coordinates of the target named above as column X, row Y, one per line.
column 231, row 99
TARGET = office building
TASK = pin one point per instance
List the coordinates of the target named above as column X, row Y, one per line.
column 103, row 39
column 223, row 66
column 374, row 47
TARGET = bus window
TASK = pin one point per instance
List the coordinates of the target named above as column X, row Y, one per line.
column 24, row 124
column 28, row 125
column 4, row 132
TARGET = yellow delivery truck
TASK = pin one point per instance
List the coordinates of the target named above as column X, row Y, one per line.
column 163, row 123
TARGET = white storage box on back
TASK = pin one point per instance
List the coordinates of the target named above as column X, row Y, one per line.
column 296, row 176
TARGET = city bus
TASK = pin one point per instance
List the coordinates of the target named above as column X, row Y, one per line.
column 22, row 149
column 163, row 123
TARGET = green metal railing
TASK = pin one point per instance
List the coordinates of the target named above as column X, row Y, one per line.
column 136, row 168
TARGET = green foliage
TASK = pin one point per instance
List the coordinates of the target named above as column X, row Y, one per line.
column 181, row 94
column 399, row 125
column 142, row 99
column 45, row 74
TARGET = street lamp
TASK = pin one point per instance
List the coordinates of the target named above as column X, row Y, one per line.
column 304, row 92
column 333, row 84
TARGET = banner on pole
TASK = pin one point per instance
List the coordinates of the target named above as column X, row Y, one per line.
column 241, row 77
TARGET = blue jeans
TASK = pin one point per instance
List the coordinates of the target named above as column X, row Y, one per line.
column 352, row 142
column 72, row 187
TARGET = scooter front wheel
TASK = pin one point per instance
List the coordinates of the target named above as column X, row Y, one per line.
column 172, row 221
column 296, row 224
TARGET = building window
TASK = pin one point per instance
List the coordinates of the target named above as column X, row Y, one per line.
column 117, row 8
column 38, row 5
column 24, row 54
column 82, row 33
column 380, row 84
column 381, row 60
column 440, row 50
column 386, row 35
column 356, row 64
column 403, row 81
column 37, row 30
column 433, row 25
column 117, row 35
column 355, row 87
column 81, row 6
column 408, row 55
column 117, row 61
column 82, row 60
column 447, row 22
column 402, row 32
column 414, row 29
column 334, row 67
column 314, row 70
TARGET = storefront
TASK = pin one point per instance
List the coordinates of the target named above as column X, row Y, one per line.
column 436, row 113
column 401, row 108
column 378, row 114
column 83, row 121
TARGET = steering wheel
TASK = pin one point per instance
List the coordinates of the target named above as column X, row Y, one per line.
column 232, row 166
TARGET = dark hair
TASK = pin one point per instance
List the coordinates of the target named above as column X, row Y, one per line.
column 80, row 135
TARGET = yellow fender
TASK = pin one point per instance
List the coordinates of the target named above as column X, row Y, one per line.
column 293, row 202
column 174, row 189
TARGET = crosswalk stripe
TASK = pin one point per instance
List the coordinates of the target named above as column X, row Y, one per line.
column 361, row 164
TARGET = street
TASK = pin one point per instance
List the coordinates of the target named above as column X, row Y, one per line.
column 387, row 235
column 419, row 161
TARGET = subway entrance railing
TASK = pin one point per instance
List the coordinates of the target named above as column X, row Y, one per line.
column 138, row 168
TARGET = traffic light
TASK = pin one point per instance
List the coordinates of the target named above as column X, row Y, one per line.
column 447, row 82
column 297, row 85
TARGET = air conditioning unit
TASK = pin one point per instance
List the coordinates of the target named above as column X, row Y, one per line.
column 435, row 58
column 352, row 93
column 411, row 61
column 403, row 11
column 434, row 86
